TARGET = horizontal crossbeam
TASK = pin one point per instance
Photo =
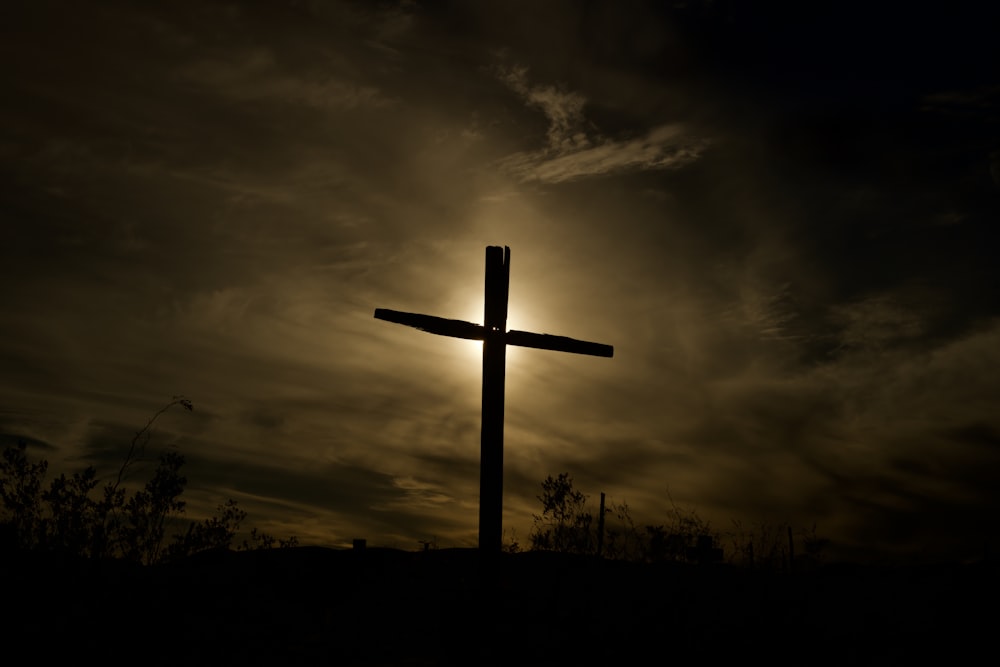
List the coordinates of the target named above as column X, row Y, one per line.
column 558, row 343
column 470, row 331
column 434, row 325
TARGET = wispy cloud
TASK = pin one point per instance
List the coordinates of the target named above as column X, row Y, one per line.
column 875, row 323
column 564, row 109
column 576, row 149
column 255, row 75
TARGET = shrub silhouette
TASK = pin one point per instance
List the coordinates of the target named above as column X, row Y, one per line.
column 66, row 517
column 20, row 486
column 684, row 537
column 566, row 525
column 565, row 522
column 769, row 546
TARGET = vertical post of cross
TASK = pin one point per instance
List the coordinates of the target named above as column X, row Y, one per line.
column 494, row 362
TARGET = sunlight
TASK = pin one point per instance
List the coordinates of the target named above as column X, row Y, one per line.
column 464, row 301
column 472, row 350
column 471, row 354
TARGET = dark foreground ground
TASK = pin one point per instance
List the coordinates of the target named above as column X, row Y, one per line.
column 313, row 606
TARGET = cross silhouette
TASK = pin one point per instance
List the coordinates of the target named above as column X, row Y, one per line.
column 493, row 332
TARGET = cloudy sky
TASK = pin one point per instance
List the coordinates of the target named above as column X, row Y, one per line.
column 786, row 223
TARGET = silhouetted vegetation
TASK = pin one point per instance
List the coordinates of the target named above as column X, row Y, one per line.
column 565, row 524
column 568, row 525
column 552, row 604
column 72, row 516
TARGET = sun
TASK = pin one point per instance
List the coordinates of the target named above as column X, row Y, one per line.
column 465, row 302
column 473, row 312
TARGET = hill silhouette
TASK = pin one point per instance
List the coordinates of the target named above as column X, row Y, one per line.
column 319, row 606
column 69, row 598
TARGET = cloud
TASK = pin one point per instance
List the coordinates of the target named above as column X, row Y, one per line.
column 664, row 147
column 575, row 149
column 875, row 323
column 254, row 75
column 563, row 109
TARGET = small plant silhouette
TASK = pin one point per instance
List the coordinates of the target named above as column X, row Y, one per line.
column 565, row 522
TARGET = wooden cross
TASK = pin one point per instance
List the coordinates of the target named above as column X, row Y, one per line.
column 493, row 332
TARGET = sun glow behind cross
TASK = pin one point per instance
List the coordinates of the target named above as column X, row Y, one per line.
column 473, row 312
